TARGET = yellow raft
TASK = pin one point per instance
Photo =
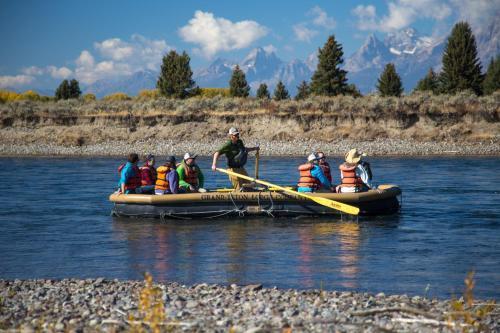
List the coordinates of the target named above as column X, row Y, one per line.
column 213, row 204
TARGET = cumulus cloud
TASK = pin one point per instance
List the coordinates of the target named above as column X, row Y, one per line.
column 9, row 81
column 215, row 34
column 401, row 13
column 321, row 18
column 59, row 73
column 303, row 33
column 114, row 48
column 33, row 71
column 270, row 48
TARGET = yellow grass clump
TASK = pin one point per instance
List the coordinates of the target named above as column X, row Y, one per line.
column 213, row 92
column 149, row 94
column 119, row 96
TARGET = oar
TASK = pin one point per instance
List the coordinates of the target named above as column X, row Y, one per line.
column 257, row 164
column 322, row 201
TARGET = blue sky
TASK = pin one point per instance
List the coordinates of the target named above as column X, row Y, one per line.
column 44, row 42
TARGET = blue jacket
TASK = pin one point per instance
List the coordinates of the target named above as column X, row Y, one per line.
column 317, row 173
column 126, row 173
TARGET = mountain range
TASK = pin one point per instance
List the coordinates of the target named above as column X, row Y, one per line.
column 412, row 53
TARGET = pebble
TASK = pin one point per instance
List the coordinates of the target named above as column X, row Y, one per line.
column 251, row 308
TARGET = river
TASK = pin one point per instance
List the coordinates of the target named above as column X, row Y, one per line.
column 55, row 223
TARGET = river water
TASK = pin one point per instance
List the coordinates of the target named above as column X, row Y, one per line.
column 55, row 223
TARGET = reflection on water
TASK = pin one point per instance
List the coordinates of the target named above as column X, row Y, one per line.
column 449, row 225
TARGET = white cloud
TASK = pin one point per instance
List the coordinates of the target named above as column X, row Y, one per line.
column 85, row 59
column 270, row 48
column 303, row 33
column 114, row 48
column 215, row 34
column 321, row 18
column 33, row 70
column 15, row 81
column 479, row 13
column 59, row 73
column 401, row 13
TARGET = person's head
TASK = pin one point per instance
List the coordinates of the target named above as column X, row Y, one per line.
column 189, row 158
column 321, row 157
column 234, row 134
column 312, row 158
column 353, row 156
column 150, row 159
column 170, row 161
column 133, row 158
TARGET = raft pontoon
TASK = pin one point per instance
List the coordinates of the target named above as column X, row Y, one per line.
column 214, row 204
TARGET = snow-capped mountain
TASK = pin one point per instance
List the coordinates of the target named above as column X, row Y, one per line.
column 131, row 85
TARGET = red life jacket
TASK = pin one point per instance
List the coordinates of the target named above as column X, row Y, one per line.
column 326, row 170
column 348, row 177
column 135, row 180
column 162, row 180
column 190, row 174
column 148, row 175
column 306, row 178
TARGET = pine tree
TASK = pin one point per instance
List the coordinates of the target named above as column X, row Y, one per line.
column 389, row 83
column 461, row 66
column 62, row 92
column 74, row 89
column 263, row 92
column 238, row 86
column 492, row 79
column 175, row 80
column 352, row 90
column 280, row 92
column 329, row 79
column 429, row 83
column 303, row 91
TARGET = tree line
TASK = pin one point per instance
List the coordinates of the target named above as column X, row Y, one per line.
column 461, row 70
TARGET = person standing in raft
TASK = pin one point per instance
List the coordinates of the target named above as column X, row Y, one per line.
column 355, row 174
column 148, row 175
column 130, row 176
column 191, row 178
column 324, row 165
column 167, row 181
column 312, row 177
column 236, row 154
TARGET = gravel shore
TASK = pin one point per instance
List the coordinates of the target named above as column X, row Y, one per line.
column 90, row 305
column 380, row 147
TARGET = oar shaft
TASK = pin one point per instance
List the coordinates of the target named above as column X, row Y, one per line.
column 257, row 164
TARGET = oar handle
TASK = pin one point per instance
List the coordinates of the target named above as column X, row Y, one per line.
column 257, row 155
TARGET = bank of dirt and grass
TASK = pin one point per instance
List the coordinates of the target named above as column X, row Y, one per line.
column 418, row 124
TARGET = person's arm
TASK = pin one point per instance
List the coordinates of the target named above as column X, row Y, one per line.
column 318, row 173
column 180, row 175
column 173, row 181
column 214, row 162
column 123, row 178
column 362, row 173
column 201, row 178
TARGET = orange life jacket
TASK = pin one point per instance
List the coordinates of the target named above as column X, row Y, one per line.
column 306, row 178
column 348, row 177
column 326, row 170
column 162, row 177
column 190, row 174
column 148, row 175
column 133, row 182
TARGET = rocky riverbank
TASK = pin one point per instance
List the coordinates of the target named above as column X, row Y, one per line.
column 379, row 147
column 110, row 305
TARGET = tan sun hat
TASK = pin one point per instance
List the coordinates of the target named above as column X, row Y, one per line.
column 353, row 156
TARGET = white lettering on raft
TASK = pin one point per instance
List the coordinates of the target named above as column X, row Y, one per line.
column 249, row 197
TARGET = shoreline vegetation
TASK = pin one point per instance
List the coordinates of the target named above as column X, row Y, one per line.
column 417, row 124
column 78, row 305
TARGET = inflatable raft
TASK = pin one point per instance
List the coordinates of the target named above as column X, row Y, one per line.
column 381, row 201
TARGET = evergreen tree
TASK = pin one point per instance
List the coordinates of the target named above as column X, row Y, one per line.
column 352, row 90
column 263, row 92
column 74, row 89
column 303, row 91
column 280, row 92
column 175, row 80
column 389, row 83
column 238, row 86
column 492, row 79
column 461, row 66
column 429, row 83
column 63, row 91
column 329, row 79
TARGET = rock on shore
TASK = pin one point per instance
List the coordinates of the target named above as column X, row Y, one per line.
column 110, row 305
column 380, row 147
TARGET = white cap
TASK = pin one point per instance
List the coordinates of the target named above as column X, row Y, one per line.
column 312, row 157
column 187, row 156
column 233, row 131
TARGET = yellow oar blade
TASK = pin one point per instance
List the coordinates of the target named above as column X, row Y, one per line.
column 322, row 201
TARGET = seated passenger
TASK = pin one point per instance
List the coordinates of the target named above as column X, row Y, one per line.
column 355, row 174
column 148, row 175
column 324, row 165
column 312, row 177
column 190, row 176
column 167, row 181
column 130, row 176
